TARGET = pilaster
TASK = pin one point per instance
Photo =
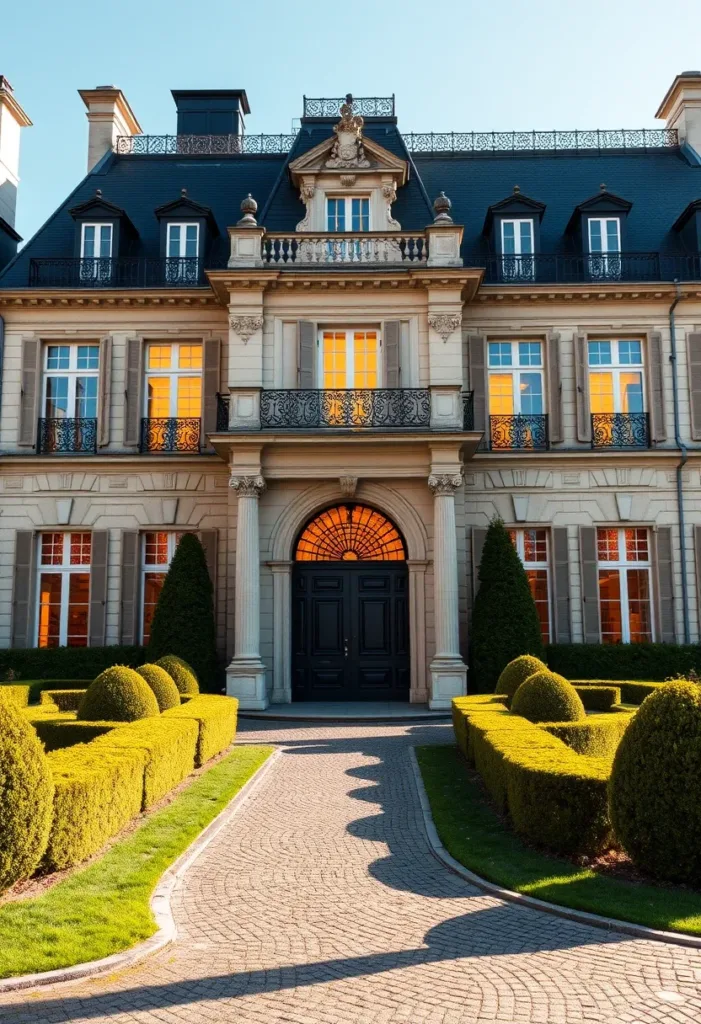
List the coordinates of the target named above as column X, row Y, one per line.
column 448, row 671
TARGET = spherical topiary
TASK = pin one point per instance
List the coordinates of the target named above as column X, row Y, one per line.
column 517, row 672
column 119, row 694
column 164, row 689
column 180, row 672
column 547, row 697
column 655, row 785
column 26, row 797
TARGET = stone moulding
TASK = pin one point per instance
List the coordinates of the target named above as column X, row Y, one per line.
column 245, row 326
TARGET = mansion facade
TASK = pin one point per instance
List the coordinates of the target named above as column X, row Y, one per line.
column 335, row 356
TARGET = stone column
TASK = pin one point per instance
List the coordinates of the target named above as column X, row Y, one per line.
column 448, row 671
column 282, row 631
column 245, row 676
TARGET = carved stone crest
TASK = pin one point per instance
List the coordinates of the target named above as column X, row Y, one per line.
column 245, row 326
column 445, row 483
column 348, row 485
column 348, row 149
column 247, row 486
column 348, row 180
column 444, row 323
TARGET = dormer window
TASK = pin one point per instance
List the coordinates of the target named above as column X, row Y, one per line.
column 517, row 248
column 512, row 228
column 347, row 213
column 597, row 226
column 604, row 234
column 96, row 241
column 182, row 248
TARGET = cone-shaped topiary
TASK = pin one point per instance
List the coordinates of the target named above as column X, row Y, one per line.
column 183, row 622
column 547, row 697
column 26, row 797
column 655, row 785
column 517, row 672
column 164, row 689
column 181, row 674
column 119, row 694
column 505, row 622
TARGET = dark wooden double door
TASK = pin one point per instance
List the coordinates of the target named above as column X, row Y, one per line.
column 350, row 631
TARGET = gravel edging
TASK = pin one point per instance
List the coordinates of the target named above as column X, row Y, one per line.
column 610, row 924
column 159, row 902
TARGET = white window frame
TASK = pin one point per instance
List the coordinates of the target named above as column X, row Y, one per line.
column 65, row 570
column 622, row 566
column 517, row 265
column 606, row 263
column 616, row 368
column 155, row 569
column 173, row 374
column 183, row 225
column 348, row 215
column 350, row 355
column 98, row 226
column 520, row 545
column 515, row 369
column 72, row 373
column 604, row 235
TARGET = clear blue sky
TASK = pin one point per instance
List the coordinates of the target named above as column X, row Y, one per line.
column 453, row 65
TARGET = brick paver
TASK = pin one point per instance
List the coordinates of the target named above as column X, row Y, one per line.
column 321, row 903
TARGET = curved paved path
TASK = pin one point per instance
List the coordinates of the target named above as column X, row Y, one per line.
column 321, row 904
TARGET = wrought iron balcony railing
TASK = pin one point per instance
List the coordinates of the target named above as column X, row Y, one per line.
column 67, row 436
column 366, row 106
column 120, row 272
column 620, row 430
column 468, row 410
column 362, row 408
column 509, row 142
column 523, row 432
column 171, row 434
column 203, row 145
column 223, row 412
column 597, row 268
column 345, row 247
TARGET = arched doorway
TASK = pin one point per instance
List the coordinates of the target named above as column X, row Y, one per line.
column 350, row 612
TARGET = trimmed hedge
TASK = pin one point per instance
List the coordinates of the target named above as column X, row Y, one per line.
column 555, row 797
column 98, row 791
column 164, row 689
column 16, row 694
column 64, row 700
column 61, row 663
column 598, row 698
column 26, row 795
column 58, row 730
column 632, row 692
column 169, row 747
column 120, row 695
column 624, row 661
column 547, row 697
column 517, row 672
column 36, row 687
column 216, row 720
column 181, row 673
column 655, row 789
column 599, row 736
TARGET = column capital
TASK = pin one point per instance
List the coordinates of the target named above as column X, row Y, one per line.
column 247, row 486
column 445, row 483
column 444, row 323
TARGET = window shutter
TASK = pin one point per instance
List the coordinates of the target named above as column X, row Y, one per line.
column 209, row 539
column 104, row 389
column 562, row 631
column 591, row 623
column 697, row 553
column 478, row 536
column 478, row 383
column 98, row 588
column 132, row 393
column 656, row 406
column 552, row 346
column 211, row 374
column 581, row 368
column 130, row 587
column 693, row 348
column 664, row 570
column 31, row 351
column 23, row 590
column 392, row 334
column 306, row 354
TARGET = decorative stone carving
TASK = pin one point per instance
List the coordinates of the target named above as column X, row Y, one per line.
column 389, row 194
column 445, row 483
column 348, row 149
column 306, row 194
column 348, row 180
column 442, row 206
column 245, row 326
column 247, row 486
column 444, row 323
column 348, row 486
column 249, row 207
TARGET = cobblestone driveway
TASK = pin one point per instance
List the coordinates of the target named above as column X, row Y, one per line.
column 321, row 903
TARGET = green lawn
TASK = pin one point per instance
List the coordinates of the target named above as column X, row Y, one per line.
column 475, row 835
column 104, row 908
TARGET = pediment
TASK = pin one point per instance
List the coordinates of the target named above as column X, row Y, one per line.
column 369, row 158
column 97, row 207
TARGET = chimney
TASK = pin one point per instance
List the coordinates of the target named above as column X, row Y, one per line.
column 109, row 115
column 12, row 120
column 681, row 108
column 210, row 111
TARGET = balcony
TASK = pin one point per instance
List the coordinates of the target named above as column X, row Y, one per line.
column 343, row 248
column 519, row 433
column 121, row 272
column 620, row 430
column 359, row 408
column 598, row 268
column 170, row 435
column 67, row 436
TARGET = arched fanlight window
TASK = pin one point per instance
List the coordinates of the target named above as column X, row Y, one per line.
column 350, row 533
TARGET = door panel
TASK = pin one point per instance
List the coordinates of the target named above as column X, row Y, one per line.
column 350, row 631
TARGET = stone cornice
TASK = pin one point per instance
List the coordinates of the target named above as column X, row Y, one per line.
column 492, row 294
column 67, row 298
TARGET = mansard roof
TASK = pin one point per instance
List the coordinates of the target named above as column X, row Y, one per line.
column 657, row 184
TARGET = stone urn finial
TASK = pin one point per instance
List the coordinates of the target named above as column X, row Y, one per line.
column 249, row 208
column 442, row 205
